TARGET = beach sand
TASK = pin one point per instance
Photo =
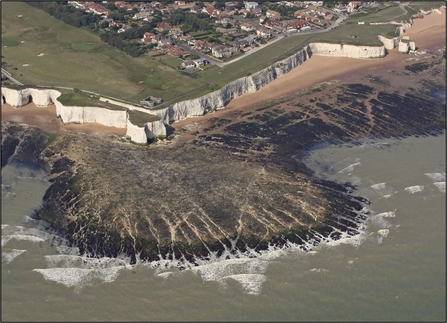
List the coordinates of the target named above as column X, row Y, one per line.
column 428, row 33
column 45, row 118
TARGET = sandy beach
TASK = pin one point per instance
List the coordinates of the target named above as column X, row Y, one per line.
column 45, row 118
column 428, row 33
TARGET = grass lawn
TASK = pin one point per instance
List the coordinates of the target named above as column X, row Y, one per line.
column 10, row 41
column 76, row 57
column 366, row 34
column 85, row 100
column 82, row 46
column 386, row 14
column 139, row 118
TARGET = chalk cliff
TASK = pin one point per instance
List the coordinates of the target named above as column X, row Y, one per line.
column 219, row 98
column 389, row 43
column 343, row 50
column 107, row 117
column 76, row 114
column 195, row 107
column 40, row 97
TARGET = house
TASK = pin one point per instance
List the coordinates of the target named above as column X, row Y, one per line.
column 208, row 10
column 251, row 5
column 199, row 45
column 298, row 24
column 264, row 32
column 164, row 41
column 141, row 15
column 147, row 37
column 273, row 14
column 176, row 32
column 220, row 51
column 195, row 9
column 201, row 61
column 247, row 27
column 189, row 64
column 241, row 43
column 192, row 42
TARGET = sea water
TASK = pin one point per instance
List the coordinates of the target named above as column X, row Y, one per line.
column 394, row 270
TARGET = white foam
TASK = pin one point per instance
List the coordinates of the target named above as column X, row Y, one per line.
column 350, row 168
column 439, row 177
column 390, row 214
column 79, row 277
column 4, row 226
column 414, row 189
column 383, row 232
column 318, row 270
column 6, row 239
column 379, row 186
column 440, row 186
column 9, row 256
column 251, row 283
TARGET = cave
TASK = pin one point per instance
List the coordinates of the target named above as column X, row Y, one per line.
column 30, row 99
column 4, row 99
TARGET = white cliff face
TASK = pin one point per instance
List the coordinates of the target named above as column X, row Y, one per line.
column 389, row 43
column 220, row 98
column 154, row 129
column 195, row 107
column 106, row 117
column 136, row 134
column 404, row 47
column 343, row 50
column 41, row 98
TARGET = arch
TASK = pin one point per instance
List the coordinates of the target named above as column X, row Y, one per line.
column 3, row 99
column 30, row 98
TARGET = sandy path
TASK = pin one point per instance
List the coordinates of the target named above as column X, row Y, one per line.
column 45, row 118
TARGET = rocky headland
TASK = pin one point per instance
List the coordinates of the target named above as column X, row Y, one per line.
column 239, row 184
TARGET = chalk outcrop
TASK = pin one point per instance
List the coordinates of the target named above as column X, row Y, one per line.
column 389, row 43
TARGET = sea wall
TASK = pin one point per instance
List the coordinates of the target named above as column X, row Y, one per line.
column 343, row 50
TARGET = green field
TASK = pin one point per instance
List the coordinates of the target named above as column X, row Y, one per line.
column 139, row 118
column 366, row 34
column 76, row 57
column 10, row 41
column 386, row 14
column 81, row 99
column 82, row 46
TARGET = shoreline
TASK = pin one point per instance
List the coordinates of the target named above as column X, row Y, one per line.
column 428, row 33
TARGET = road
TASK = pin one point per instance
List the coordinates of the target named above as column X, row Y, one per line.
column 9, row 76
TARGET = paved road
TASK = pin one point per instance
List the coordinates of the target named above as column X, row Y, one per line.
column 9, row 76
